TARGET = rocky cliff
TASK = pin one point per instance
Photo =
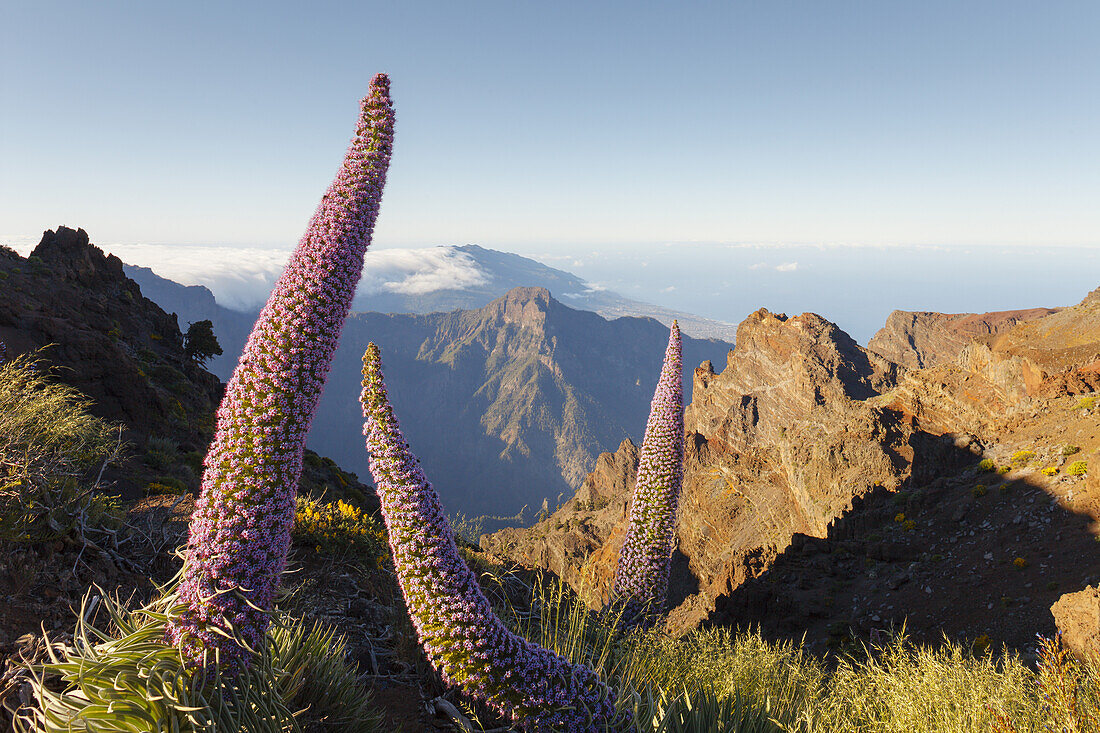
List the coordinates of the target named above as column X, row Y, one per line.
column 1004, row 373
column 122, row 350
column 104, row 337
column 779, row 442
column 921, row 339
column 830, row 492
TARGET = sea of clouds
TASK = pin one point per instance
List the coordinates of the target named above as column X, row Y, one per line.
column 242, row 277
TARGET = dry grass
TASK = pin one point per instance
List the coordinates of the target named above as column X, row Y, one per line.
column 52, row 454
column 717, row 680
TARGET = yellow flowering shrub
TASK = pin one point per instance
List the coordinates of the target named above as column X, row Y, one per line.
column 1077, row 468
column 1022, row 457
column 340, row 528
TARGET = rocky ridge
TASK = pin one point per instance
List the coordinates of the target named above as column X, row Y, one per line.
column 125, row 353
column 104, row 338
column 806, row 448
column 779, row 442
column 921, row 339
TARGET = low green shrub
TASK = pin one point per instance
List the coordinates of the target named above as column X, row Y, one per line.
column 987, row 464
column 1070, row 450
column 161, row 453
column 1077, row 468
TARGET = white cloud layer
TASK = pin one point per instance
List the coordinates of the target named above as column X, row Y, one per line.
column 787, row 267
column 242, row 277
column 239, row 277
column 419, row 271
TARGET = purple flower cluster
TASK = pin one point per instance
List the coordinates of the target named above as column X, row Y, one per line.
column 467, row 643
column 641, row 579
column 240, row 530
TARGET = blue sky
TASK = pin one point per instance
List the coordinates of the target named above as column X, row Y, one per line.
column 560, row 128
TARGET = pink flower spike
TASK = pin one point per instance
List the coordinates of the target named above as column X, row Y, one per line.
column 641, row 578
column 255, row 459
column 539, row 690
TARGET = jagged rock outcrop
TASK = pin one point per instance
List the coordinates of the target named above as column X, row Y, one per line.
column 1077, row 616
column 105, row 339
column 580, row 541
column 999, row 373
column 916, row 340
column 778, row 443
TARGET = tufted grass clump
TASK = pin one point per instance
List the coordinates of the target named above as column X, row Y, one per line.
column 51, row 448
column 1085, row 403
column 736, row 681
column 987, row 464
column 1077, row 468
column 341, row 529
column 124, row 677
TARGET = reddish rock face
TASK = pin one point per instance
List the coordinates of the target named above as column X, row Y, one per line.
column 790, row 516
column 922, row 339
column 1077, row 616
column 980, row 370
column 779, row 442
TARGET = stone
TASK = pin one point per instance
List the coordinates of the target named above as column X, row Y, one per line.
column 1077, row 616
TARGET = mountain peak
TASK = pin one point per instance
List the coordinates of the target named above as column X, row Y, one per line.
column 782, row 370
column 523, row 306
column 524, row 294
column 72, row 255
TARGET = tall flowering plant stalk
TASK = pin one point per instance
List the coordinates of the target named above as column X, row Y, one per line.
column 240, row 530
column 641, row 578
column 464, row 639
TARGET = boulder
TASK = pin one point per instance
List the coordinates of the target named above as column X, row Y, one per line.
column 1077, row 616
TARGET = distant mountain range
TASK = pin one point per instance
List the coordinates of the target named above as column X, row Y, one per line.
column 506, row 404
column 399, row 281
column 447, row 278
